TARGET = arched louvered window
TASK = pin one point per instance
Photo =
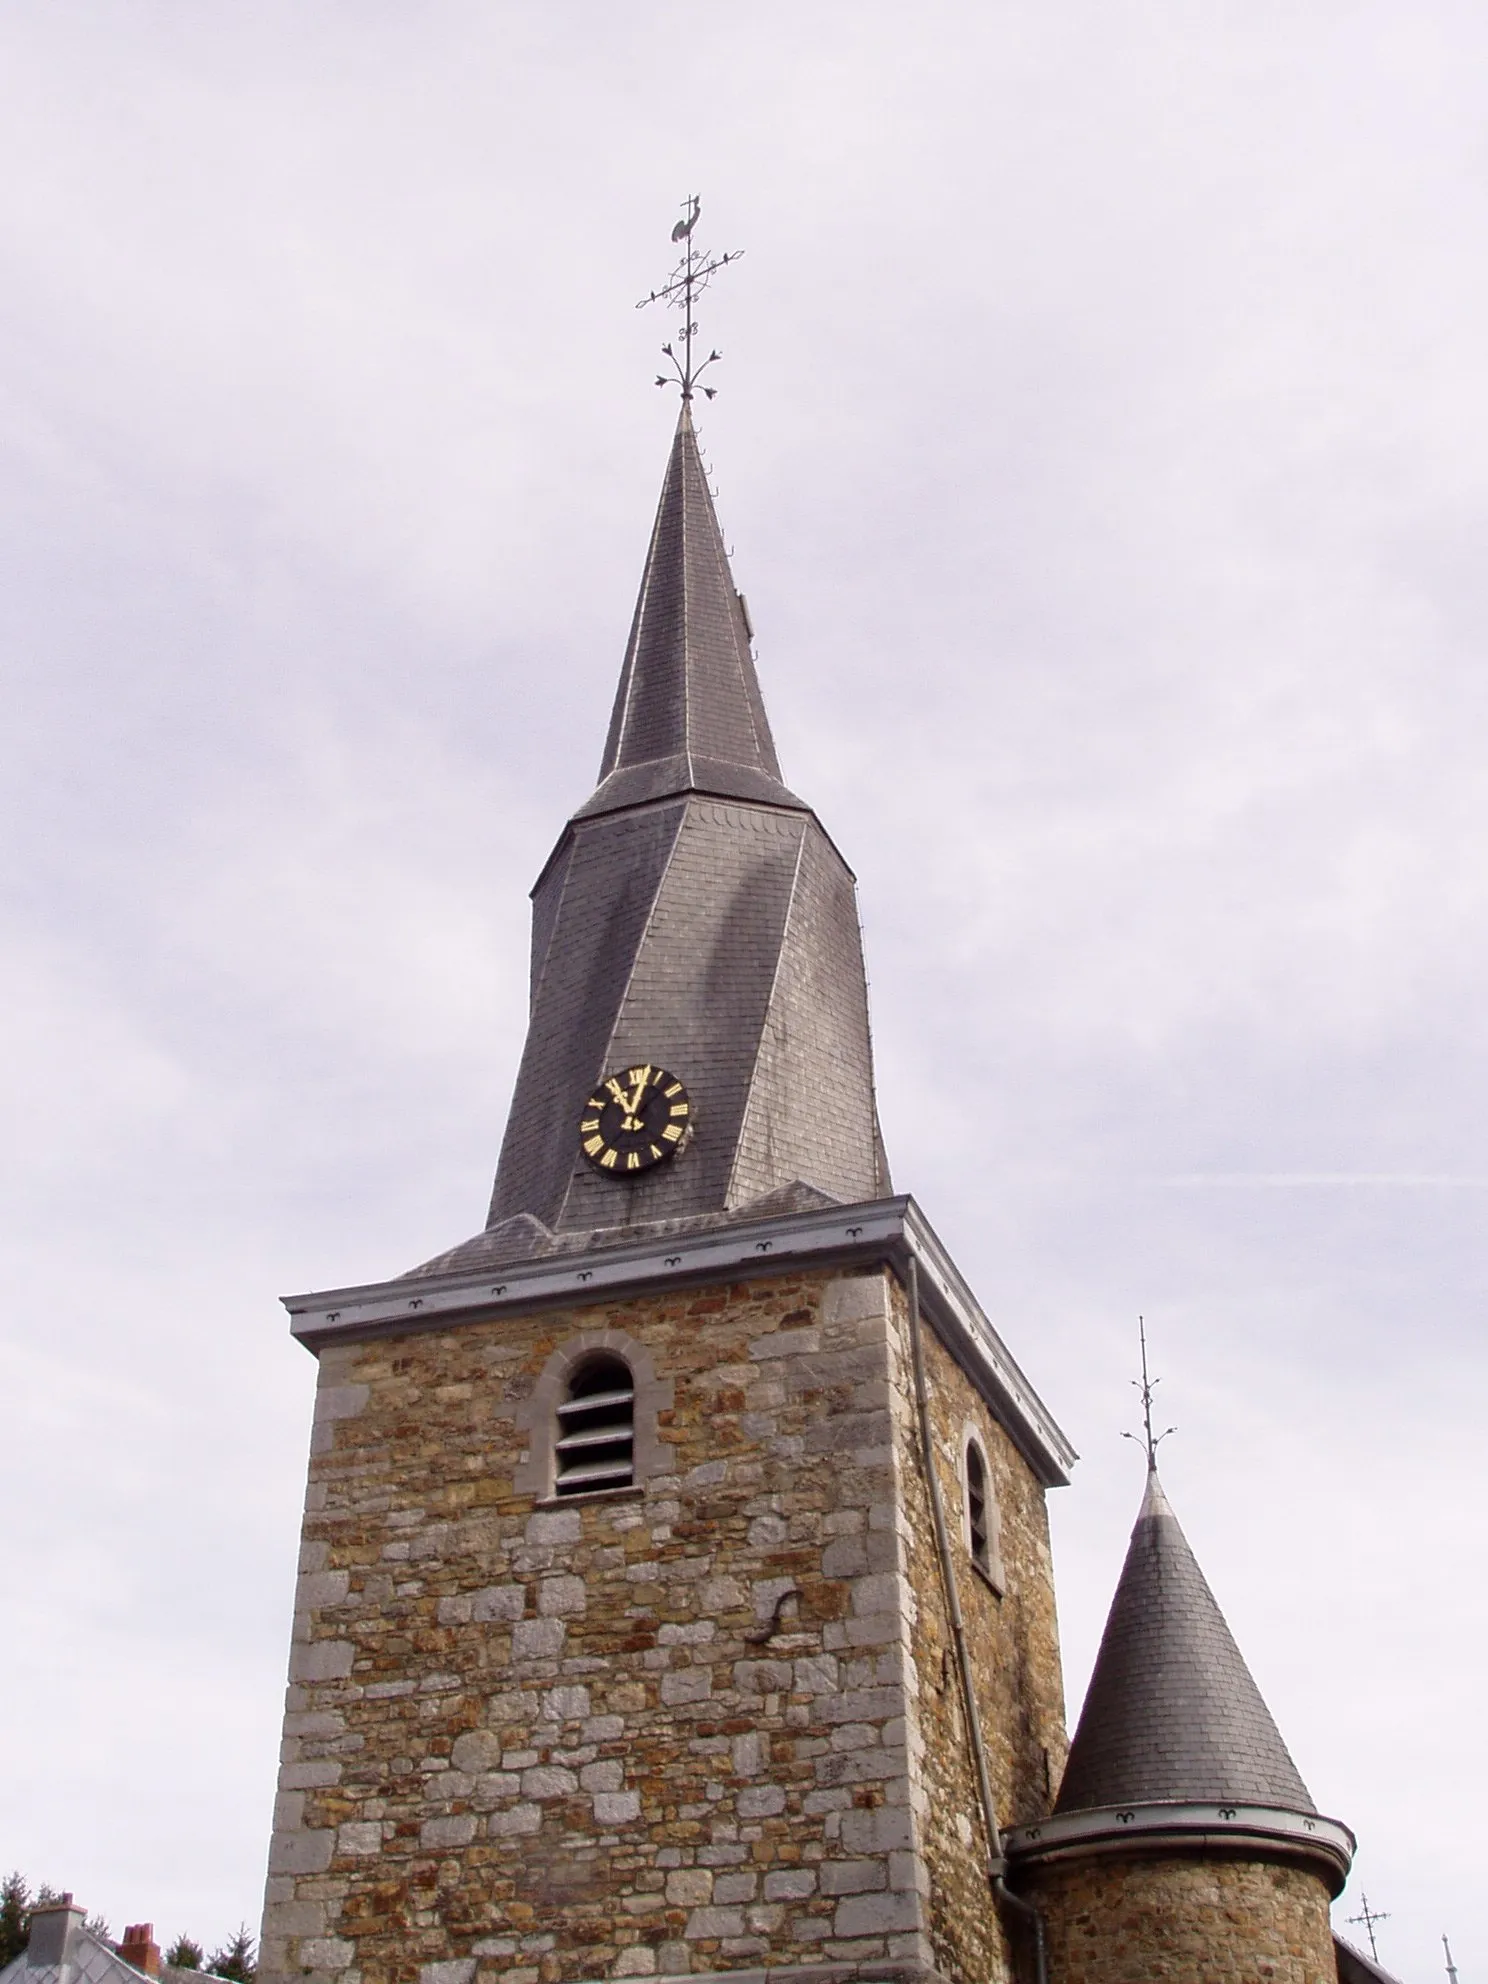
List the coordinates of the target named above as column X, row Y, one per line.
column 978, row 1523
column 595, row 1447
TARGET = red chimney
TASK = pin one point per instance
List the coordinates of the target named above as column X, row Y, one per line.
column 140, row 1948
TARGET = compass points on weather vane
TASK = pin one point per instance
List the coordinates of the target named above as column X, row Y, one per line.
column 680, row 292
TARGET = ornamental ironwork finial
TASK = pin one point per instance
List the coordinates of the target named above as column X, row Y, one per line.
column 1147, row 1387
column 1369, row 1916
column 681, row 291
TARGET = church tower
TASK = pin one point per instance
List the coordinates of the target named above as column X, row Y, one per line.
column 675, row 1591
column 1184, row 1844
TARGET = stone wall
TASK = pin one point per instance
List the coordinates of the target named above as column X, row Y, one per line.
column 1014, row 1642
column 666, row 1730
column 1178, row 1921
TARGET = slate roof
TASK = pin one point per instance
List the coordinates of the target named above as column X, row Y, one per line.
column 1356, row 1968
column 1172, row 1714
column 67, row 1952
column 694, row 915
column 688, row 713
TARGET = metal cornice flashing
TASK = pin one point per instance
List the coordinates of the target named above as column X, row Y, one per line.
column 960, row 1318
column 878, row 1230
column 1170, row 1828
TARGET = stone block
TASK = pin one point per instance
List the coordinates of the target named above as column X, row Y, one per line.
column 761, row 1801
column 328, row 1953
column 877, row 1914
column 790, row 1883
column 708, row 1924
column 549, row 1781
column 689, row 1887
column 476, row 1750
column 322, row 1660
column 320, row 1588
column 853, row 1876
column 538, row 1639
column 516, row 1820
column 452, row 1829
column 616, row 1808
column 686, row 1684
column 498, row 1601
column 359, row 1836
column 301, row 1852
column 561, row 1597
column 735, row 1887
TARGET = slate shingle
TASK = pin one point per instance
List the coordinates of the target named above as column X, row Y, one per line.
column 695, row 915
column 1172, row 1713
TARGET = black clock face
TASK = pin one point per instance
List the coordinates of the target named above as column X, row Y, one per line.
column 633, row 1120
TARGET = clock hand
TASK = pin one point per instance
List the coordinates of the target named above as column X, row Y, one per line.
column 633, row 1107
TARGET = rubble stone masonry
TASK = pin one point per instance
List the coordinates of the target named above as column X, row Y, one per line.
column 1186, row 1921
column 705, row 1724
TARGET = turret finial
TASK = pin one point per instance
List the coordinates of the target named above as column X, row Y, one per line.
column 1147, row 1387
column 681, row 290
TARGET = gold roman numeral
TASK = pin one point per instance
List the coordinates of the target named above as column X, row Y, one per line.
column 673, row 1133
column 593, row 1144
column 608, row 1160
column 633, row 1162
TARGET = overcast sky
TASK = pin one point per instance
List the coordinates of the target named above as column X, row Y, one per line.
column 1103, row 443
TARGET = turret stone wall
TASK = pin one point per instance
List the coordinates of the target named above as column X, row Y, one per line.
column 1185, row 1921
column 700, row 1725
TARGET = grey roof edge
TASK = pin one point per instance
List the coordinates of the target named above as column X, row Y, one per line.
column 1356, row 1968
column 1267, row 1830
column 878, row 1230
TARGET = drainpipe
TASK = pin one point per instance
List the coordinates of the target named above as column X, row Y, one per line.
column 996, row 1860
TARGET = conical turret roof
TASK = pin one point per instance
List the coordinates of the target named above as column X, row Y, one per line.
column 1172, row 1714
column 688, row 713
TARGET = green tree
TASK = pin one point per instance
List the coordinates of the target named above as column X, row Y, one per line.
column 15, row 1911
column 236, row 1960
column 184, row 1954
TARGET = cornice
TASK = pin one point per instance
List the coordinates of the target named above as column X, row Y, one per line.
column 878, row 1231
column 1268, row 1831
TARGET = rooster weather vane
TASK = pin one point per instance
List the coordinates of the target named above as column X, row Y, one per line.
column 681, row 291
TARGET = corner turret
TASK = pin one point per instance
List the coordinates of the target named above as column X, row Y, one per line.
column 1181, row 1821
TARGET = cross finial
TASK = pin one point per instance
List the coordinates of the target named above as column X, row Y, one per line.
column 1147, row 1387
column 1369, row 1916
column 682, row 289
column 1451, row 1967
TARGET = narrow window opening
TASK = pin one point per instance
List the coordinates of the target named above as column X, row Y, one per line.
column 976, row 1508
column 596, row 1428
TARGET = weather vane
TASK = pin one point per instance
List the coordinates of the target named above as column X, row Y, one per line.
column 1147, row 1387
column 1451, row 1967
column 681, row 291
column 1369, row 1916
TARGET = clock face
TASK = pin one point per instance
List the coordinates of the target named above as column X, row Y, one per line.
column 634, row 1119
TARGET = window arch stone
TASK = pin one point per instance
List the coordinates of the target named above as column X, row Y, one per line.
column 537, row 1415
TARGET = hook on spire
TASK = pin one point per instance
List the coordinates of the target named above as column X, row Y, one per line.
column 1147, row 1387
column 681, row 291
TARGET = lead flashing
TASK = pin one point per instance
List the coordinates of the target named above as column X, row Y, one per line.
column 1265, row 1830
column 885, row 1231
